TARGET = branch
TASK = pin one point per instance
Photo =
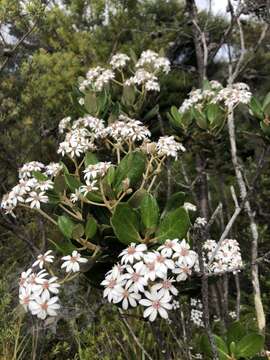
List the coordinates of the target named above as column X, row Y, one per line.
column 12, row 51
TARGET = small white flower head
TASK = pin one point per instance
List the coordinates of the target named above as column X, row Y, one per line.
column 26, row 170
column 200, row 222
column 156, row 62
column 64, row 124
column 25, row 296
column 43, row 306
column 24, row 277
column 72, row 262
column 36, row 198
column 127, row 296
column 119, row 61
column 132, row 253
column 43, row 258
column 44, row 185
column 33, row 279
column 184, row 255
column 46, row 285
column 98, row 170
column 156, row 303
column 167, row 146
column 169, row 247
column 135, row 279
column 182, row 271
column 53, row 169
column 165, row 286
column 189, row 207
column 74, row 197
column 113, row 286
column 126, row 129
column 89, row 187
column 81, row 101
column 233, row 95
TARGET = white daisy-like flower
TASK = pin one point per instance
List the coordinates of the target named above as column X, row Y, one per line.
column 89, row 187
column 25, row 297
column 96, row 170
column 43, row 306
column 165, row 286
column 184, row 255
column 167, row 146
column 74, row 197
column 156, row 303
column 127, row 296
column 169, row 247
column 182, row 271
column 43, row 258
column 112, row 286
column 116, row 271
column 46, row 285
column 34, row 277
column 119, row 61
column 72, row 262
column 36, row 198
column 132, row 253
column 44, row 185
column 135, row 278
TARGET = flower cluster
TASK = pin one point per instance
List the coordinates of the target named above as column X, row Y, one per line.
column 154, row 61
column 196, row 314
column 197, row 98
column 148, row 67
column 234, row 94
column 127, row 130
column 147, row 277
column 38, row 291
column 119, row 61
column 97, row 78
column 227, row 258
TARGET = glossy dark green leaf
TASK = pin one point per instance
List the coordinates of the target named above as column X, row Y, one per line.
column 90, row 159
column 90, row 227
column 149, row 211
column 249, row 345
column 125, row 223
column 72, row 182
column 175, row 224
column 132, row 167
column 39, row 176
column 66, row 225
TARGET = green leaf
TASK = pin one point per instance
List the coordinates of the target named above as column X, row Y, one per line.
column 250, row 345
column 175, row 201
column 221, row 347
column 59, row 184
column 91, row 103
column 175, row 224
column 266, row 101
column 256, row 108
column 66, row 225
column 128, row 96
column 90, row 227
column 132, row 167
column 90, row 159
column 125, row 224
column 149, row 211
column 136, row 198
column 78, row 231
column 265, row 128
column 176, row 114
column 213, row 111
column 39, row 176
column 152, row 113
column 235, row 332
column 200, row 119
column 72, row 182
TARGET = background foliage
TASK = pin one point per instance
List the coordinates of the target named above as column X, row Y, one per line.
column 36, row 87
